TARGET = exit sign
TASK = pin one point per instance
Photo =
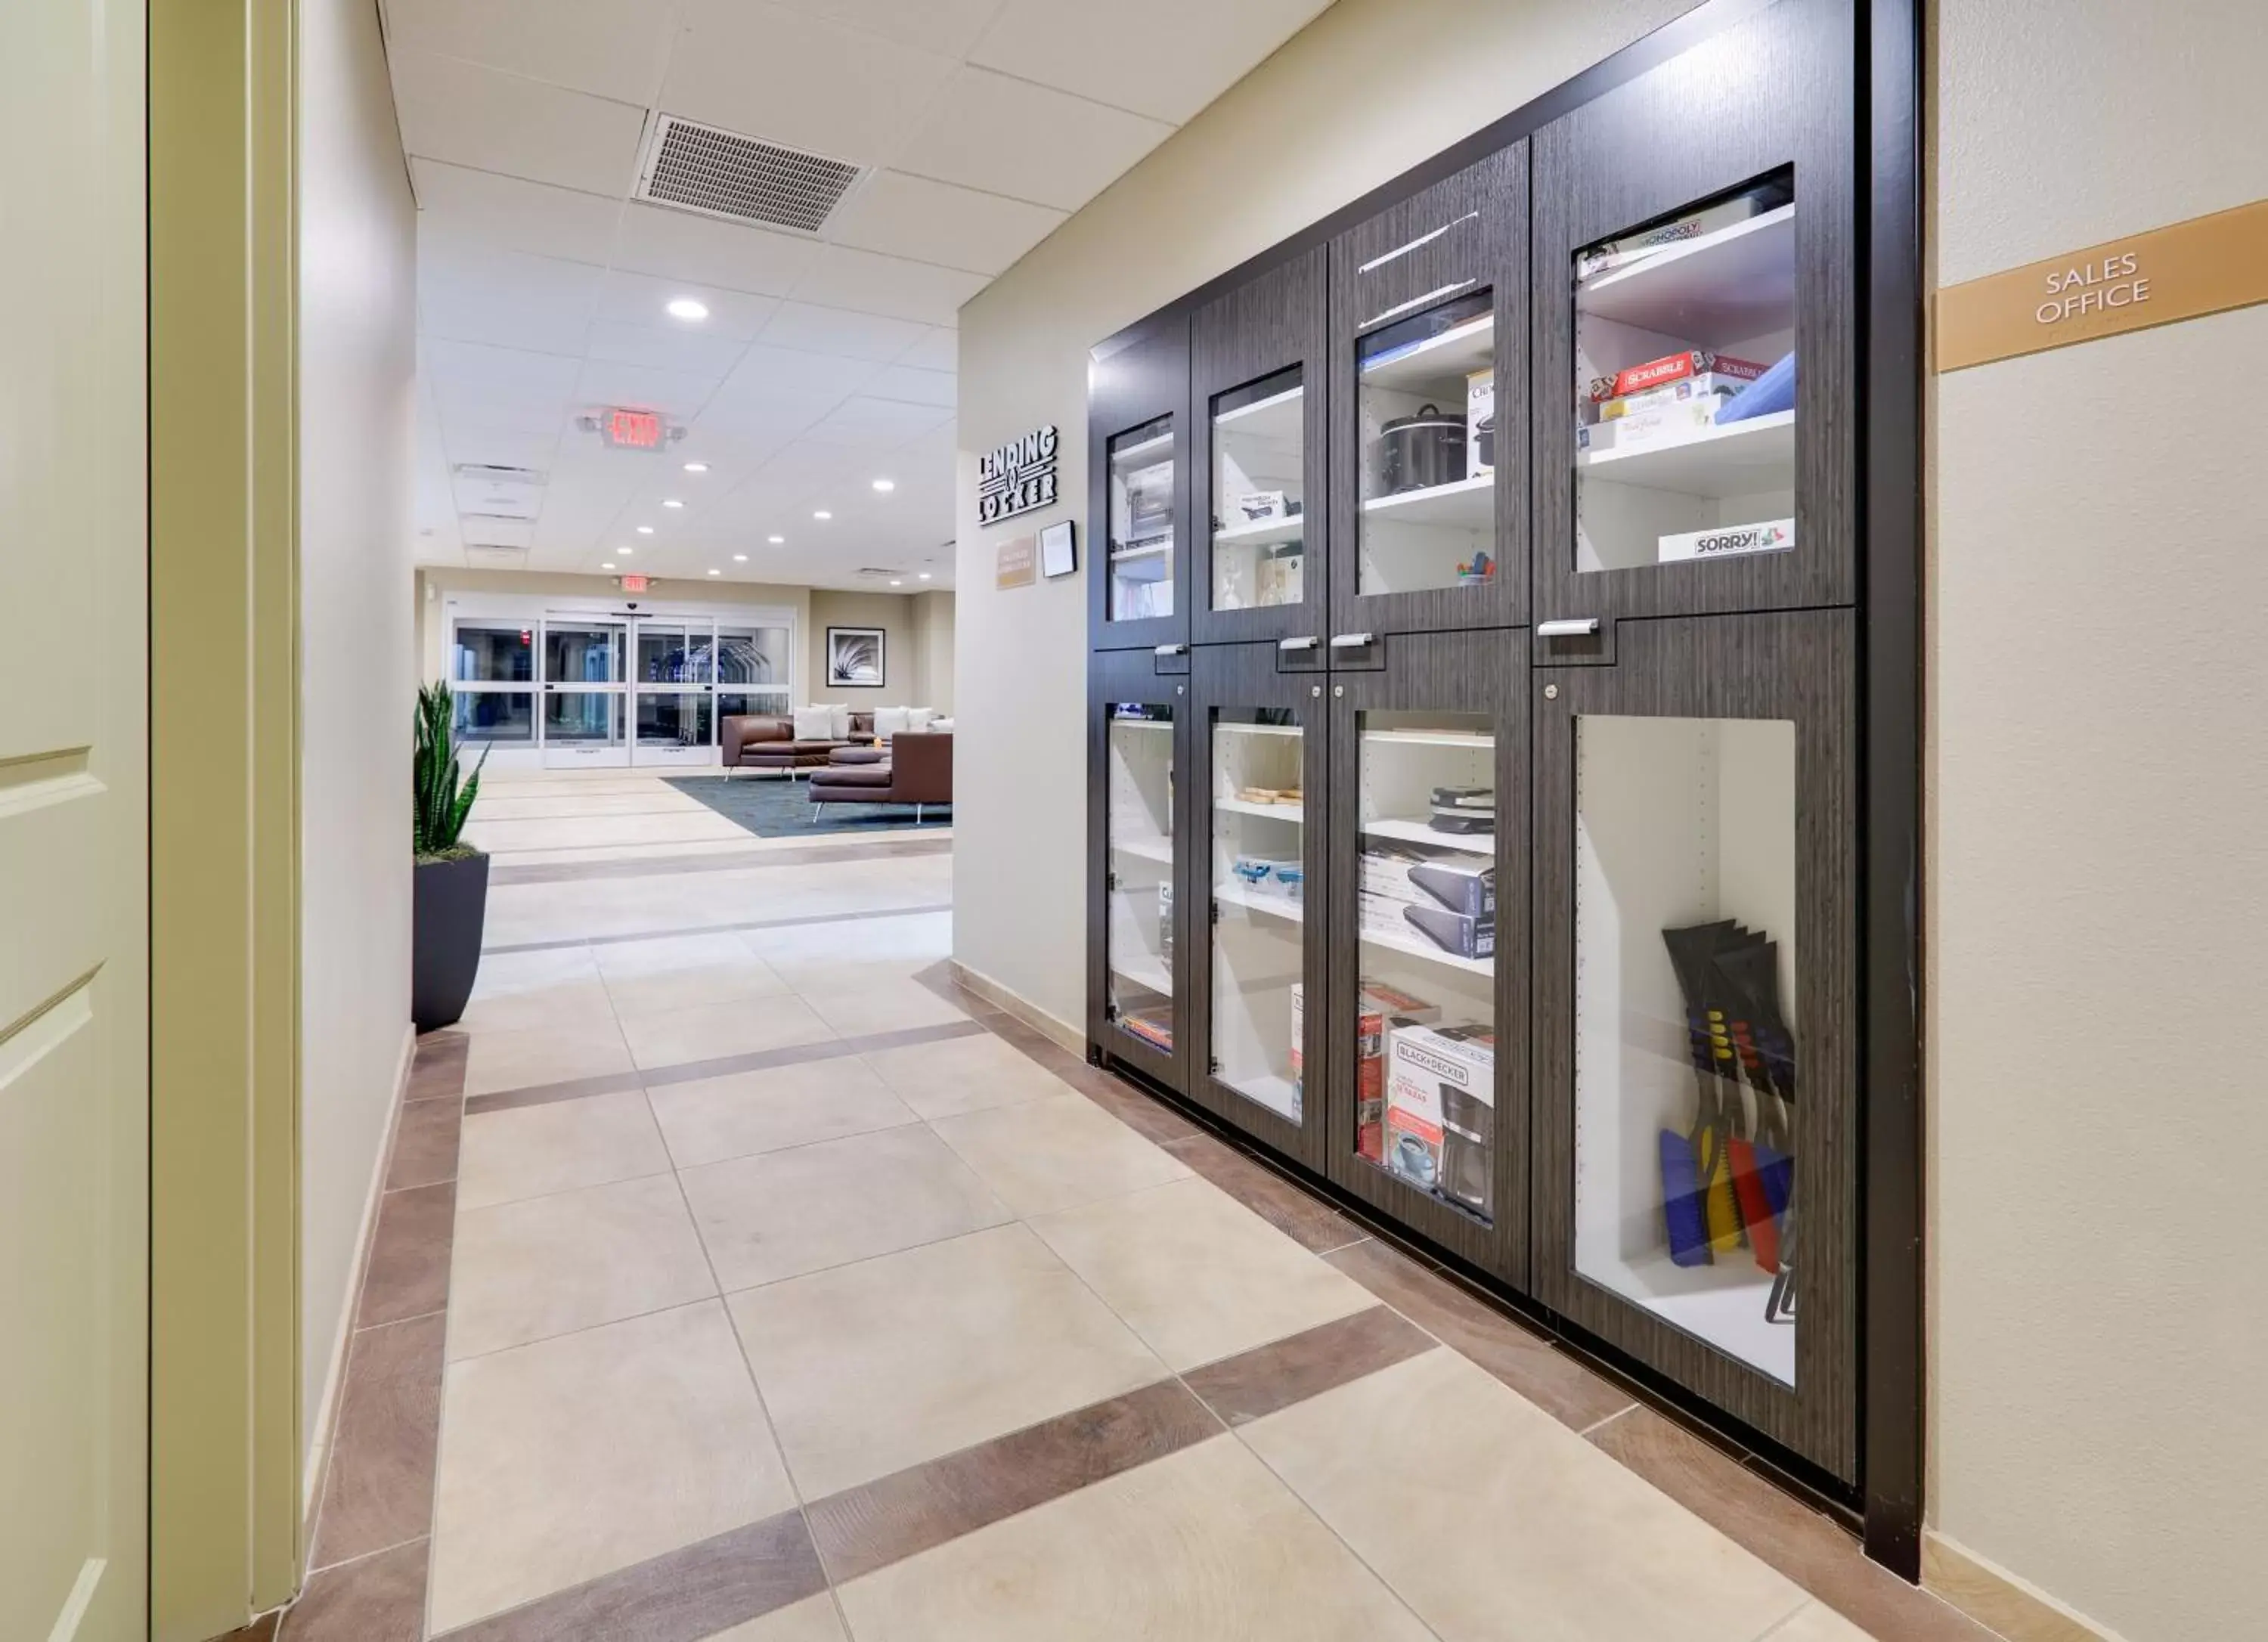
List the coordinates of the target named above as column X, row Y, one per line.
column 636, row 583
column 631, row 430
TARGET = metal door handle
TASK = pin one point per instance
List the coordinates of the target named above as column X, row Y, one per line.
column 1308, row 643
column 1351, row 641
column 1169, row 650
column 1572, row 627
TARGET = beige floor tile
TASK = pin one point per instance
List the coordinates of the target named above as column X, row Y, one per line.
column 527, row 1150
column 507, row 836
column 712, row 1031
column 1494, row 1520
column 550, row 1265
column 784, row 1213
column 1203, row 1546
column 1195, row 1273
column 520, row 991
column 1046, row 1155
column 574, row 1457
column 879, row 1365
column 647, row 978
column 811, row 1620
column 550, row 1054
column 965, row 1075
column 894, row 1004
column 748, row 1112
column 1819, row 1622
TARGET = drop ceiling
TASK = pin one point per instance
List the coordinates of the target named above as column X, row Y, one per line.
column 826, row 360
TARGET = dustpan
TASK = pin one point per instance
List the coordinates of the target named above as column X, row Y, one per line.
column 1699, row 1210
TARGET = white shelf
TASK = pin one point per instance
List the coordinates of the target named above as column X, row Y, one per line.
column 1434, row 737
column 1722, row 1303
column 1294, row 812
column 1144, row 970
column 1141, row 723
column 1480, row 843
column 1229, row 726
column 1262, row 533
column 1158, row 849
column 1236, row 893
column 1463, row 504
column 1417, row 948
column 1455, row 353
column 1277, row 416
column 1278, row 1095
column 1739, row 458
column 1723, row 287
column 1148, row 450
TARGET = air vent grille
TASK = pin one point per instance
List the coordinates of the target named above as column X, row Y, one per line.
column 480, row 556
column 498, row 473
column 744, row 178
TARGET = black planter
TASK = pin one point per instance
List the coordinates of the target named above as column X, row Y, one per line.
column 452, row 906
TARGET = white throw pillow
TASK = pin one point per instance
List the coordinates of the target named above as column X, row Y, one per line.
column 919, row 718
column 815, row 724
column 940, row 726
column 888, row 721
column 840, row 718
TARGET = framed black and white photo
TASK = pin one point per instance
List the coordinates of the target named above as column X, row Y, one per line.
column 1058, row 551
column 855, row 658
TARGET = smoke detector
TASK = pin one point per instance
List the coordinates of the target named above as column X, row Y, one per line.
column 722, row 173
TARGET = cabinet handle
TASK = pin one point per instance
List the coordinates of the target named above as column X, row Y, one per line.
column 1351, row 641
column 1170, row 650
column 1571, row 627
column 1308, row 643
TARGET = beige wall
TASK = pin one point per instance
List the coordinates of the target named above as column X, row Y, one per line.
column 2098, row 779
column 1369, row 89
column 893, row 613
column 357, row 303
column 933, row 617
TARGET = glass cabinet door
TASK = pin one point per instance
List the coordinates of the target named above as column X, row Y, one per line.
column 1139, row 917
column 1142, row 519
column 1258, row 494
column 1138, row 492
column 1694, row 1002
column 1429, row 1002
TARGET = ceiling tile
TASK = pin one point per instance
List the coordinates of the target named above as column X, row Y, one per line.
column 678, row 394
column 680, row 245
column 507, row 297
column 643, row 299
column 937, row 221
column 479, row 208
column 939, row 350
column 470, row 116
column 891, row 285
column 839, row 331
column 1006, row 136
column 613, row 48
column 917, row 387
column 869, row 424
column 763, row 71
column 948, row 28
column 501, row 448
column 768, row 372
column 666, row 347
column 504, row 388
column 1178, row 57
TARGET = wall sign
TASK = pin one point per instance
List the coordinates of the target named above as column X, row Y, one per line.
column 1018, row 477
column 2205, row 265
column 1017, row 561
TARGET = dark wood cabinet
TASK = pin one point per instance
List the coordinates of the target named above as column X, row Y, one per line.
column 1138, row 490
column 1138, row 742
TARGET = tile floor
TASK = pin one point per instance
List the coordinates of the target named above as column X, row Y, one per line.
column 742, row 1275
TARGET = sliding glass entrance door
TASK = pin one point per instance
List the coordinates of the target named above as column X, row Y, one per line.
column 583, row 693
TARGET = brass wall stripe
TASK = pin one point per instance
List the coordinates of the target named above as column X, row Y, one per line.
column 2182, row 271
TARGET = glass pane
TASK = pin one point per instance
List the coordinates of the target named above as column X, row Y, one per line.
column 1142, row 521
column 1258, row 492
column 737, row 703
column 1685, row 1028
column 1685, row 386
column 684, row 720
column 1426, row 412
column 505, row 717
column 672, row 655
column 492, row 653
column 578, row 653
column 752, row 655
column 1140, row 937
column 1425, row 1026
column 583, row 718
column 1259, row 891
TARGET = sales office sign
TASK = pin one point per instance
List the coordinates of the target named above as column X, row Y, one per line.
column 1017, row 477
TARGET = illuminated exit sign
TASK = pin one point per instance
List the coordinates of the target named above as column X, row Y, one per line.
column 636, row 583
column 631, row 430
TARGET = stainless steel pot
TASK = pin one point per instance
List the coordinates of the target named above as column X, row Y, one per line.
column 1419, row 452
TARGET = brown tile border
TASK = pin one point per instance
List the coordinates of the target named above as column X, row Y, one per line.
column 1152, row 1120
column 409, row 1271
column 722, row 929
column 682, row 1596
column 1254, row 1384
column 735, row 861
column 724, row 1066
column 425, row 1142
column 880, row 1522
column 380, row 1598
column 378, row 1484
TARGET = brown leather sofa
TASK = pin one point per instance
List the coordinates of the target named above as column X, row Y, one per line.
column 918, row 771
column 767, row 741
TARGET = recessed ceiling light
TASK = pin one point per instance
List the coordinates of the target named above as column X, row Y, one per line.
column 626, row 552
column 740, row 558
column 687, row 308
column 776, row 541
column 716, row 572
column 885, row 484
column 607, row 565
column 925, row 574
column 673, row 502
column 645, row 530
column 822, row 514
column 696, row 467
column 894, row 582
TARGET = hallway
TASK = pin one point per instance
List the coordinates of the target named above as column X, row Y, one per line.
column 741, row 1274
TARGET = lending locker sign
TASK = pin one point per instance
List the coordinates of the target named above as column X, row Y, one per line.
column 1017, row 477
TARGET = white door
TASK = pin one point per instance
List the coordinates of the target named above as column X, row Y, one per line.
column 584, row 693
column 74, row 846
column 673, row 691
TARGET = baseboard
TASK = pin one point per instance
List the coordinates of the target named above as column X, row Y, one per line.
column 1025, row 1010
column 1997, row 1600
column 317, row 1460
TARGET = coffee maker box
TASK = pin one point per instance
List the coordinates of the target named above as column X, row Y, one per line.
column 1380, row 1008
column 1440, row 1099
column 1480, row 423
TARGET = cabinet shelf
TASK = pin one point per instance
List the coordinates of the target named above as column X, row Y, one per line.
column 1142, row 724
column 1431, row 954
column 1229, row 726
column 1417, row 832
column 1277, row 1093
column 1457, row 353
column 1294, row 812
column 1262, row 533
column 1723, row 1304
column 1158, row 849
column 1148, row 451
column 1239, row 895
column 1721, row 288
column 1145, row 971
column 1433, row 738
column 1462, row 505
column 1739, row 458
column 1277, row 416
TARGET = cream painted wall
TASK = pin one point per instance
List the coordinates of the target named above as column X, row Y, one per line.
column 357, row 305
column 893, row 613
column 1369, row 89
column 933, row 618
column 2098, row 780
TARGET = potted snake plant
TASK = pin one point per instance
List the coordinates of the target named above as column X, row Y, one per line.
column 451, row 897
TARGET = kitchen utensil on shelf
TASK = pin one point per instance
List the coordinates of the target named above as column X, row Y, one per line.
column 1420, row 450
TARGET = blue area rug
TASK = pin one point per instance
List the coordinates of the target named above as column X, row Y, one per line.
column 771, row 806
